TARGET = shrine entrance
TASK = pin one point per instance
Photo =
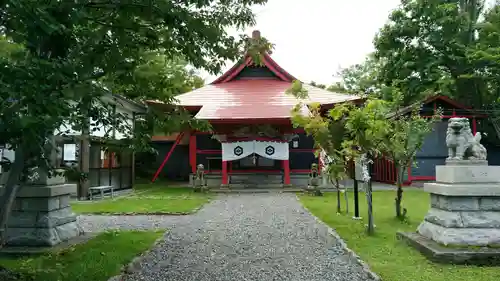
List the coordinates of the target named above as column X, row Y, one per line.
column 255, row 163
column 262, row 158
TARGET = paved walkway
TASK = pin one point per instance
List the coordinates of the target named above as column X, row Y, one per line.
column 260, row 237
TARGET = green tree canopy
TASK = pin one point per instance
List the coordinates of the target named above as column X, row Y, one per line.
column 71, row 46
column 425, row 47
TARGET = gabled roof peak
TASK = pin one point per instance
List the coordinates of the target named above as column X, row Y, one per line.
column 247, row 60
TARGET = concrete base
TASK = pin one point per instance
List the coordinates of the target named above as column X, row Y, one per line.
column 465, row 205
column 41, row 216
column 440, row 254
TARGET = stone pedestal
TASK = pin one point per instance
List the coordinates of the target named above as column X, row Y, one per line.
column 465, row 205
column 42, row 216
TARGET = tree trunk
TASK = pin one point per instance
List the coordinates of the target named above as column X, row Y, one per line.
column 337, row 185
column 83, row 183
column 10, row 191
column 399, row 191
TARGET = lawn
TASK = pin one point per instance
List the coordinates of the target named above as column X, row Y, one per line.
column 98, row 259
column 147, row 199
column 393, row 260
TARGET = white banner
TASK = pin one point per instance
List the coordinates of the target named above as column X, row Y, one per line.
column 69, row 150
column 272, row 150
column 237, row 150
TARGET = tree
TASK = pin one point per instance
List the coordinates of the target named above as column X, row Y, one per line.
column 317, row 85
column 362, row 78
column 362, row 142
column 346, row 132
column 485, row 56
column 402, row 137
column 448, row 47
column 156, row 77
column 425, row 47
column 336, row 171
column 8, row 49
column 337, row 87
column 71, row 45
column 328, row 137
column 159, row 78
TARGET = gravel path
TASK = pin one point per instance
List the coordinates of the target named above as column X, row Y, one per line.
column 259, row 237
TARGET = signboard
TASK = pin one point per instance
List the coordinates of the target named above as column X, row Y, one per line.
column 69, row 152
column 358, row 171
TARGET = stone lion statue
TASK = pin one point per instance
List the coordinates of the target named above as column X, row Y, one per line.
column 462, row 145
column 199, row 182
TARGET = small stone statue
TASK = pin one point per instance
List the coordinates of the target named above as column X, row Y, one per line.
column 199, row 182
column 462, row 145
column 313, row 186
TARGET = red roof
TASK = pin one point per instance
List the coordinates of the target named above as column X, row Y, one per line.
column 253, row 98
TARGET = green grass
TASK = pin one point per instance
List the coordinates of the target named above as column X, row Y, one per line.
column 147, row 198
column 98, row 260
column 393, row 260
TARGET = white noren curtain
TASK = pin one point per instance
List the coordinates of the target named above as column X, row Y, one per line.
column 237, row 150
column 272, row 150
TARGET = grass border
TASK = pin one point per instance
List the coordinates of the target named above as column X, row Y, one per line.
column 135, row 264
column 364, row 266
column 192, row 212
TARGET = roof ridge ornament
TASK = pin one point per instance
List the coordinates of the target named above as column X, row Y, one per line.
column 256, row 34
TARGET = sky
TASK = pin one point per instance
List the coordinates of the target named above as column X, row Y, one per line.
column 314, row 38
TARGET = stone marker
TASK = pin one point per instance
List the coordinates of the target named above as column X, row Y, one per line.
column 41, row 215
column 465, row 203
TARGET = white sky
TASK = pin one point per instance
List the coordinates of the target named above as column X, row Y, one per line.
column 314, row 38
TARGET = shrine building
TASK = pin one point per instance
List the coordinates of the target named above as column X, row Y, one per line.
column 252, row 141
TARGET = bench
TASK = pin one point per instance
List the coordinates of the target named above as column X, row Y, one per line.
column 101, row 188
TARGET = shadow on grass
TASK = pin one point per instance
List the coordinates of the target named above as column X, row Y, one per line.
column 98, row 260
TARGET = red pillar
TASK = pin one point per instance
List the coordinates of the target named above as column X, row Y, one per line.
column 474, row 128
column 224, row 173
column 286, row 168
column 192, row 152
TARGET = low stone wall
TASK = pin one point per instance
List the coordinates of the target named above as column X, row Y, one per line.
column 42, row 216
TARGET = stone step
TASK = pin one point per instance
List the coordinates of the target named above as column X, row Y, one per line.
column 252, row 179
column 255, row 186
